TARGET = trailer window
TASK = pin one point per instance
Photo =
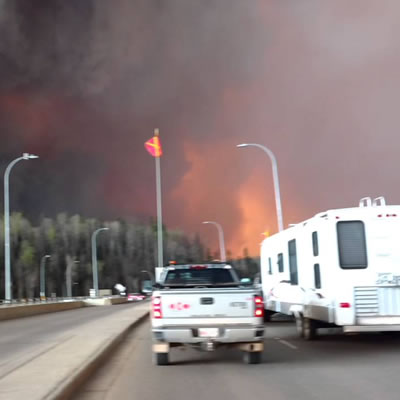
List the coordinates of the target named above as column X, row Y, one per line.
column 317, row 277
column 280, row 262
column 351, row 244
column 293, row 262
column 315, row 243
column 269, row 266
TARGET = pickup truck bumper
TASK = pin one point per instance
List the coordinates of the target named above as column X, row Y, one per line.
column 228, row 334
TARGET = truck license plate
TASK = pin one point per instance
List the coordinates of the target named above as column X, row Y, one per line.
column 208, row 332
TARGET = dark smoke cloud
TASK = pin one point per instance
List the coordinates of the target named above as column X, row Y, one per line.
column 84, row 83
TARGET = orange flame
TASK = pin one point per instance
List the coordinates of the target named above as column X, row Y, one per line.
column 205, row 194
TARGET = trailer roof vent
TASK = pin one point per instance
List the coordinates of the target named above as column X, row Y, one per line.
column 365, row 202
column 379, row 202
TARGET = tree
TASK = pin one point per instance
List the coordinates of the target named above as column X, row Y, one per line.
column 123, row 252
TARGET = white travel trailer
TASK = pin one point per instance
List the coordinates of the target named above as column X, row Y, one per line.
column 339, row 268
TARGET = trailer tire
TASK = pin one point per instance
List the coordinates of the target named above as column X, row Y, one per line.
column 252, row 357
column 309, row 328
column 161, row 358
column 299, row 325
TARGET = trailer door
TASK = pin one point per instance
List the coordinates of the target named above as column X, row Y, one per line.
column 294, row 280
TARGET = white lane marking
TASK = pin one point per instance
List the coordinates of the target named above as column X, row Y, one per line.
column 286, row 343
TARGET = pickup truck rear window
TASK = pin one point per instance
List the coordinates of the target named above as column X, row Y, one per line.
column 207, row 277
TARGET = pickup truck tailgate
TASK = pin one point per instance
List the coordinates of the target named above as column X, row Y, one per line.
column 207, row 303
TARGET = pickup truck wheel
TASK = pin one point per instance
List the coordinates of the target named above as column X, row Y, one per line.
column 252, row 357
column 161, row 358
column 309, row 329
column 267, row 315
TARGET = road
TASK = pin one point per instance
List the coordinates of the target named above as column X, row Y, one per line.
column 23, row 339
column 333, row 367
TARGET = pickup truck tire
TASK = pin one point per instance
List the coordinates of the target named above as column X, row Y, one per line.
column 252, row 357
column 267, row 315
column 309, row 329
column 161, row 358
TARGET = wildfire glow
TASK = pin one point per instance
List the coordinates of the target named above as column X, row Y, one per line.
column 244, row 214
column 257, row 214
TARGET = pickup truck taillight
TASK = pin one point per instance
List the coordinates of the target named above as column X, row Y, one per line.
column 258, row 306
column 157, row 313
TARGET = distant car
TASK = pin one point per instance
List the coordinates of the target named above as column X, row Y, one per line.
column 136, row 297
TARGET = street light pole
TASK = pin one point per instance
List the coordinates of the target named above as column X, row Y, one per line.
column 94, row 260
column 160, row 254
column 221, row 239
column 275, row 178
column 7, row 259
column 68, row 276
column 42, row 276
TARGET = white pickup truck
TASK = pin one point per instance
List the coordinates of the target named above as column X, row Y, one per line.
column 205, row 306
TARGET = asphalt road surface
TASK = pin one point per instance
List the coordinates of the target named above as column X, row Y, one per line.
column 333, row 367
column 23, row 339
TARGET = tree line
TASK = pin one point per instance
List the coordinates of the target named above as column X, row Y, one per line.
column 125, row 250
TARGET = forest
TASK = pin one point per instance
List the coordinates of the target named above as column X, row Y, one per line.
column 124, row 251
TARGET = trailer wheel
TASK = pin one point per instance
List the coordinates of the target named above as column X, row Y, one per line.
column 161, row 358
column 252, row 357
column 299, row 325
column 309, row 329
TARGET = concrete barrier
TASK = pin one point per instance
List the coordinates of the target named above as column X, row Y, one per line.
column 21, row 311
column 28, row 310
column 108, row 301
column 58, row 373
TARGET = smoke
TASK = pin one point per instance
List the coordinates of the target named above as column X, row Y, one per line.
column 84, row 83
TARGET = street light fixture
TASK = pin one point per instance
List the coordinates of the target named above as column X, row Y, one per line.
column 94, row 260
column 42, row 276
column 275, row 178
column 7, row 258
column 27, row 156
column 221, row 239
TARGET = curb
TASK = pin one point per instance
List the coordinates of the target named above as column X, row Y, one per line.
column 66, row 390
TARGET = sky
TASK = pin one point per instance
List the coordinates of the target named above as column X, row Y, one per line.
column 84, row 83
